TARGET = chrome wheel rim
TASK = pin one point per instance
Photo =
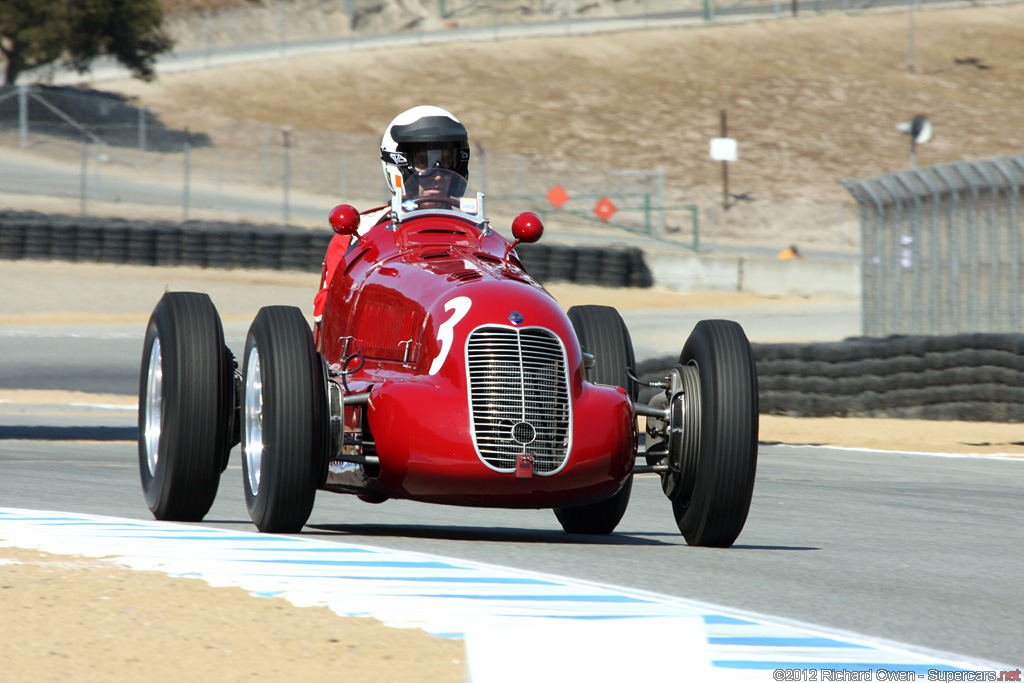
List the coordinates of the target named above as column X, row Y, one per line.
column 252, row 444
column 153, row 407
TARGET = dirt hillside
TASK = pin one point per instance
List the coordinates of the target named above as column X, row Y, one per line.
column 810, row 100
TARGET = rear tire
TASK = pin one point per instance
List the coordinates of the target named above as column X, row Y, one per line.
column 603, row 334
column 186, row 398
column 283, row 420
column 597, row 518
column 714, row 509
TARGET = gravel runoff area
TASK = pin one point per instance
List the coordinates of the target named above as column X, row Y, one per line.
column 83, row 619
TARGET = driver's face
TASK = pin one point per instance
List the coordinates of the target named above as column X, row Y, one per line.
column 433, row 185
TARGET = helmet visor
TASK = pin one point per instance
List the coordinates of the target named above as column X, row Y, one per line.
column 427, row 159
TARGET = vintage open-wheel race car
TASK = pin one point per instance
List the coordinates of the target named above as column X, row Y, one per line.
column 442, row 372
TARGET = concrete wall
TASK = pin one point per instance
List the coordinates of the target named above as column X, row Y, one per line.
column 686, row 271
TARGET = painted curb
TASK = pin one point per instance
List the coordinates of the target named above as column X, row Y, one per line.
column 450, row 598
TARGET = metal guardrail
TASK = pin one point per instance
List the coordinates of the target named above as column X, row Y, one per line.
column 942, row 248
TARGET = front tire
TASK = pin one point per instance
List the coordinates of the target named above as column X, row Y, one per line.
column 603, row 334
column 186, row 397
column 283, row 410
column 711, row 506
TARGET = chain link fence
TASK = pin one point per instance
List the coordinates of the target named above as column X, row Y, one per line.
column 106, row 149
column 942, row 248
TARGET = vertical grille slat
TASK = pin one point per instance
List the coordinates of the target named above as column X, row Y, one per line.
column 519, row 376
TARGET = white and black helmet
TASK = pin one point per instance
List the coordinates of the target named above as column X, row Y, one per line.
column 420, row 139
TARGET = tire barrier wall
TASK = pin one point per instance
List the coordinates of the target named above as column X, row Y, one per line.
column 607, row 267
column 208, row 244
column 26, row 235
column 972, row 377
column 975, row 377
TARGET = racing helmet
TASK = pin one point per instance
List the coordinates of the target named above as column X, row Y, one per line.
column 421, row 139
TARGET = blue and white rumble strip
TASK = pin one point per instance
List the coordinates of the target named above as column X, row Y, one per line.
column 456, row 598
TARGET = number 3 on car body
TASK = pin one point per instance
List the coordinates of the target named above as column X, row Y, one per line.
column 445, row 334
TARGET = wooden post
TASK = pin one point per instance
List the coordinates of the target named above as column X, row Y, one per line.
column 187, row 150
column 286, row 176
column 725, row 168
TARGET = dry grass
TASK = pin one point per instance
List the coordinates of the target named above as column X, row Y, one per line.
column 810, row 100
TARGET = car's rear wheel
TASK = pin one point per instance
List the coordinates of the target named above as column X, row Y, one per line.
column 712, row 481
column 283, row 420
column 603, row 334
column 186, row 400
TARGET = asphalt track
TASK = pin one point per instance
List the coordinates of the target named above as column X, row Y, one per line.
column 916, row 549
column 921, row 550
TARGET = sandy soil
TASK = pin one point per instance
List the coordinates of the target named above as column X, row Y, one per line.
column 78, row 619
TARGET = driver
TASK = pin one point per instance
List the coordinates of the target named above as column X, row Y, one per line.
column 416, row 146
column 419, row 146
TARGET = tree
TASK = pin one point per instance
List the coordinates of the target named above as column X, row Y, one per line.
column 34, row 33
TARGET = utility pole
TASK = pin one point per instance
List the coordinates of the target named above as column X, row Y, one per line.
column 724, row 149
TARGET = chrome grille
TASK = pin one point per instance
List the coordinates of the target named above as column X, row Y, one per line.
column 519, row 397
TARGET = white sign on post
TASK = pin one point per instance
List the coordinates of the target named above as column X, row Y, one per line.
column 723, row 149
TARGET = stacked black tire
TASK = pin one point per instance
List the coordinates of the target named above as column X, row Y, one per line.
column 207, row 244
column 216, row 244
column 604, row 266
column 972, row 377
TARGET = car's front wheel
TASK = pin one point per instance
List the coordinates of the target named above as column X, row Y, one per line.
column 713, row 481
column 283, row 420
column 186, row 392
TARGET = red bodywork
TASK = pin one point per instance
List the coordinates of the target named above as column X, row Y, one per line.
column 408, row 300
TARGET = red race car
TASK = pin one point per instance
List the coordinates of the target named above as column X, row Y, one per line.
column 440, row 371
